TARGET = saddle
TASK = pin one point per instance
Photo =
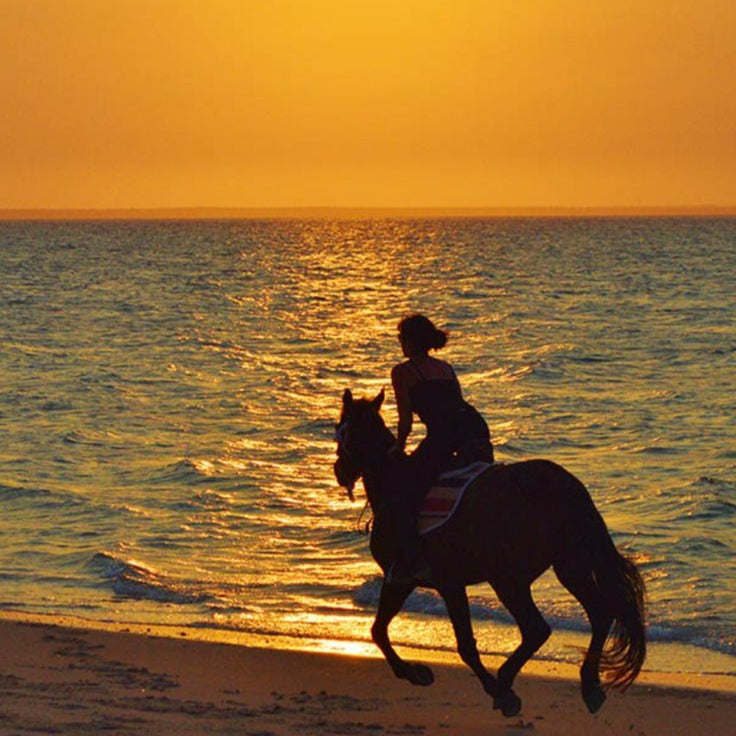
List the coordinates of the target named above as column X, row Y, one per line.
column 445, row 495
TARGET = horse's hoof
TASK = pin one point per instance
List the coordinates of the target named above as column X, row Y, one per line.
column 594, row 697
column 509, row 703
column 419, row 674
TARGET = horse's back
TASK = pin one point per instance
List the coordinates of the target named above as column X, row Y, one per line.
column 520, row 483
column 519, row 511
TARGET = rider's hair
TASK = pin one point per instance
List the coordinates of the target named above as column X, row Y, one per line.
column 421, row 332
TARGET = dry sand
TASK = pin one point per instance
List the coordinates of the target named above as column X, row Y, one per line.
column 65, row 680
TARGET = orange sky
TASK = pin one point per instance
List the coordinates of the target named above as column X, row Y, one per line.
column 165, row 103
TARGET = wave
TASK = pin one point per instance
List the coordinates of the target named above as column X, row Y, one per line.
column 708, row 480
column 93, row 439
column 74, row 505
column 656, row 450
column 705, row 499
column 57, row 405
column 710, row 510
column 131, row 579
column 207, row 500
column 40, row 497
column 182, row 471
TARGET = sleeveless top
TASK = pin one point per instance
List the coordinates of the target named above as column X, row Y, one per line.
column 452, row 423
column 436, row 400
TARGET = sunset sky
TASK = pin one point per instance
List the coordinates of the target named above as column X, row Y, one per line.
column 259, row 103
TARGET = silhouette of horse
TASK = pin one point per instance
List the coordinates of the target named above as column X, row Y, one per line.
column 514, row 522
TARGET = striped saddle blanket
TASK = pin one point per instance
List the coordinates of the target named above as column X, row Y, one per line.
column 444, row 497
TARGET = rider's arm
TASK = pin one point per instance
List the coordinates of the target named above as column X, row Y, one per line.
column 403, row 404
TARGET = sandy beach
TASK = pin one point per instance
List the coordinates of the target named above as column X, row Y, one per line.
column 68, row 680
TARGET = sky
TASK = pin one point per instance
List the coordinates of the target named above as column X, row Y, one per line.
column 401, row 103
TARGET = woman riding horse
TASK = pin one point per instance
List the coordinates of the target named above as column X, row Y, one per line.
column 428, row 387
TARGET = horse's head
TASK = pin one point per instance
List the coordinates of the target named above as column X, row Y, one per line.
column 362, row 438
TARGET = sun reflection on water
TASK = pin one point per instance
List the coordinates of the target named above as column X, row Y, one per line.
column 312, row 317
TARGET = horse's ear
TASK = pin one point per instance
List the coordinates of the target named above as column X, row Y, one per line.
column 347, row 397
column 379, row 400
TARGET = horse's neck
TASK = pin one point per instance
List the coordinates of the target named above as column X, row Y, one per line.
column 375, row 487
column 379, row 471
column 379, row 482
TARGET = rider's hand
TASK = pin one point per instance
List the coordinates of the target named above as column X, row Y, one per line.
column 396, row 450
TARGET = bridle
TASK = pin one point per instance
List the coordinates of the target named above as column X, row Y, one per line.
column 342, row 435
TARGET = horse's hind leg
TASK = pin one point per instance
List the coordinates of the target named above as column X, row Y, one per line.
column 534, row 629
column 580, row 582
column 392, row 599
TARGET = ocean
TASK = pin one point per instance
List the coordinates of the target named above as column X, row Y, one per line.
column 168, row 394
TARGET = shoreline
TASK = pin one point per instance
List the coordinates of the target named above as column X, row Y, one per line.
column 62, row 678
column 538, row 666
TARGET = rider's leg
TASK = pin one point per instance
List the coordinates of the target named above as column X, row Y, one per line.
column 410, row 564
column 424, row 466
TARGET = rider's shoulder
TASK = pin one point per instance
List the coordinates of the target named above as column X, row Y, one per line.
column 439, row 368
column 400, row 368
column 402, row 371
column 439, row 361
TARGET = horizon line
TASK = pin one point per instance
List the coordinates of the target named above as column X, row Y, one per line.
column 354, row 212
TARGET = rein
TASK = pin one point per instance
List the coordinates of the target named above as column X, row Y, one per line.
column 365, row 529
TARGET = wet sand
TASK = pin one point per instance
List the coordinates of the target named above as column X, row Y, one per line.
column 68, row 680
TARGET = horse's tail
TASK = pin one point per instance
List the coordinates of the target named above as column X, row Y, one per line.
column 624, row 592
column 624, row 655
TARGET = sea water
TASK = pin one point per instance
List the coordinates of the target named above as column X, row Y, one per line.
column 168, row 393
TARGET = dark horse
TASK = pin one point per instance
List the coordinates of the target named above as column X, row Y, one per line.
column 514, row 522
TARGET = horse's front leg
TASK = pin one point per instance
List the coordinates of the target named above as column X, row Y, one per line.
column 456, row 600
column 392, row 599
